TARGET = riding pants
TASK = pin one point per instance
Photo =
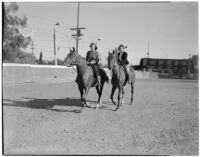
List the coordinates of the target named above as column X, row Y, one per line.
column 95, row 68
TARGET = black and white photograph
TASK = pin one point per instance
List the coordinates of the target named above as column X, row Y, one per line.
column 100, row 78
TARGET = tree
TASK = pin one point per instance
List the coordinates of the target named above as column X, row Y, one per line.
column 13, row 41
column 40, row 59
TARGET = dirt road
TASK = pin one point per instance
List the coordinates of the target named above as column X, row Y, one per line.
column 44, row 119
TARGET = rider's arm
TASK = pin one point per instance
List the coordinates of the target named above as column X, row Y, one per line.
column 125, row 58
column 97, row 56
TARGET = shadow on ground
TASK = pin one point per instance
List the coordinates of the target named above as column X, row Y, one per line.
column 49, row 104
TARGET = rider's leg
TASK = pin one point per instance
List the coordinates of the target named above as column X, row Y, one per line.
column 96, row 70
column 126, row 70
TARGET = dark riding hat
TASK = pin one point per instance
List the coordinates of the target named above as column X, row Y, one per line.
column 94, row 45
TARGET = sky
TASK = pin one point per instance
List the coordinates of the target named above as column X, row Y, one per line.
column 169, row 28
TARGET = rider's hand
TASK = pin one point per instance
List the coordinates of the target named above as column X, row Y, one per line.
column 92, row 62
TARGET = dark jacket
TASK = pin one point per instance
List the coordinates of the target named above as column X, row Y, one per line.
column 122, row 58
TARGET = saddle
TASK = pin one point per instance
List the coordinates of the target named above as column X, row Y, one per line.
column 95, row 77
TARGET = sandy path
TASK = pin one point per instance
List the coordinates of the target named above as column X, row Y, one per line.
column 42, row 119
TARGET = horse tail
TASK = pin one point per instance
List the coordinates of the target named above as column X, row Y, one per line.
column 106, row 78
column 104, row 75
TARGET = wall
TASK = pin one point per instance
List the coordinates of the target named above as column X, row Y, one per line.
column 26, row 73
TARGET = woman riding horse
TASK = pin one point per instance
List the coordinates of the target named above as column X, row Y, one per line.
column 92, row 59
column 118, row 79
column 122, row 59
column 85, row 75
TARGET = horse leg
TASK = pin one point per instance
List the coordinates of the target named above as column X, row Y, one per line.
column 132, row 91
column 119, row 98
column 122, row 96
column 98, row 91
column 112, row 93
column 101, row 90
column 81, row 93
column 100, row 94
column 85, row 95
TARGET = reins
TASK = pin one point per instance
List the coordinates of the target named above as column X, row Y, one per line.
column 78, row 58
column 74, row 68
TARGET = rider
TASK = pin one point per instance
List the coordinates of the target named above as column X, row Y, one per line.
column 92, row 59
column 122, row 58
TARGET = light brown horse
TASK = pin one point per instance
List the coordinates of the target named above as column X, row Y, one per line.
column 85, row 76
column 119, row 79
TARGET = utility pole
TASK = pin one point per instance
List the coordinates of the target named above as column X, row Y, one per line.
column 148, row 51
column 78, row 30
column 148, row 62
column 54, row 42
column 32, row 47
column 99, row 52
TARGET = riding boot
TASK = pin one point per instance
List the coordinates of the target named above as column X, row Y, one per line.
column 127, row 77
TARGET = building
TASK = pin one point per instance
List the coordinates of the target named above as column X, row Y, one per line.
column 175, row 66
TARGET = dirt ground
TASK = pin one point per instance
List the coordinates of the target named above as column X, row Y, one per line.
column 44, row 119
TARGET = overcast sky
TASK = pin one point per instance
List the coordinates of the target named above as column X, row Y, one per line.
column 171, row 29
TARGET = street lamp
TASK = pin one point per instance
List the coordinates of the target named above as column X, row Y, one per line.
column 54, row 42
column 100, row 52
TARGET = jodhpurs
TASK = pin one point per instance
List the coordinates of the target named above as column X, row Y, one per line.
column 95, row 68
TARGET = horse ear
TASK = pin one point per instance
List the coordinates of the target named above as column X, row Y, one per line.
column 70, row 50
column 73, row 48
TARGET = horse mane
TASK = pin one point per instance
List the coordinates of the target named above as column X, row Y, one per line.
column 82, row 59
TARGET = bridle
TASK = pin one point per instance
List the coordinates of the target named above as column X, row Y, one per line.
column 113, row 58
column 77, row 58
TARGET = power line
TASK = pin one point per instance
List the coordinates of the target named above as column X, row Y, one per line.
column 78, row 30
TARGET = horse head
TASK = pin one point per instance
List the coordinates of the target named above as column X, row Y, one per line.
column 112, row 59
column 72, row 58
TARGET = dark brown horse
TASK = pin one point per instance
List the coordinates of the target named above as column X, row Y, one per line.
column 119, row 79
column 85, row 76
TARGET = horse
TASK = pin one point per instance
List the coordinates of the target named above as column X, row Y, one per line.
column 119, row 79
column 85, row 76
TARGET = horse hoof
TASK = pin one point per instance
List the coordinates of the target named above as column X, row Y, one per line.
column 97, row 107
column 116, row 108
column 122, row 103
column 114, row 102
